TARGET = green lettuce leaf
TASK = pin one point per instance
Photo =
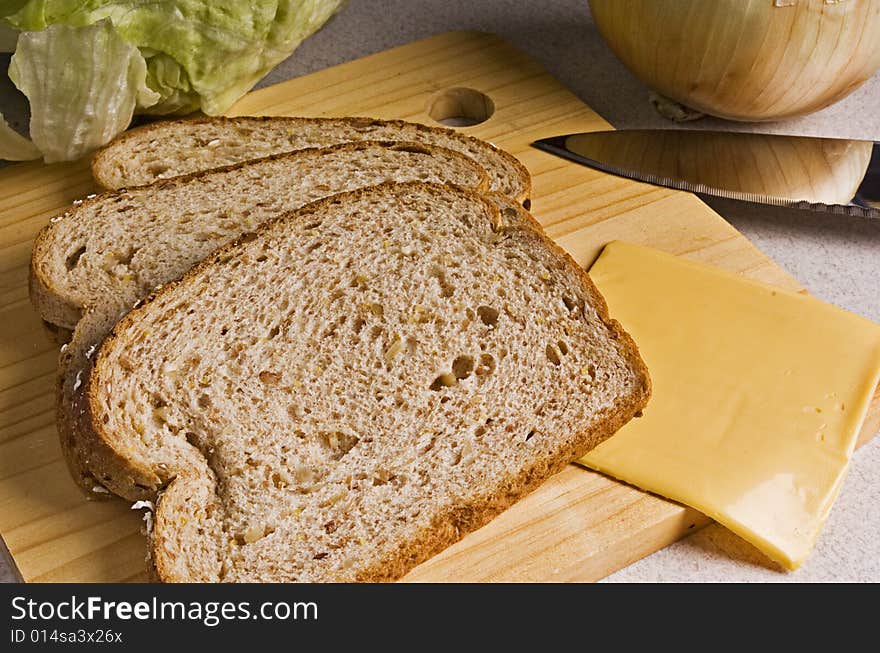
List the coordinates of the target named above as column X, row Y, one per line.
column 82, row 104
column 166, row 77
column 214, row 51
column 14, row 146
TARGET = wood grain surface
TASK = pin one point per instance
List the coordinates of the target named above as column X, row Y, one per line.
column 578, row 526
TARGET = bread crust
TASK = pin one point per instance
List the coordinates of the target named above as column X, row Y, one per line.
column 94, row 464
column 58, row 315
column 103, row 158
column 61, row 313
column 447, row 528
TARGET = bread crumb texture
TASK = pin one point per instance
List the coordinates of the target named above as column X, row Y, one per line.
column 352, row 388
column 119, row 246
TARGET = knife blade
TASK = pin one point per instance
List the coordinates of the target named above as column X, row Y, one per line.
column 819, row 174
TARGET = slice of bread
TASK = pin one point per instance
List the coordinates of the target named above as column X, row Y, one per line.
column 354, row 386
column 88, row 457
column 171, row 148
column 116, row 247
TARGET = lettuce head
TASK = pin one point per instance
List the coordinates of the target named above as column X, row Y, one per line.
column 159, row 57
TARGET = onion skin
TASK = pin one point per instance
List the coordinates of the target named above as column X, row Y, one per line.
column 748, row 60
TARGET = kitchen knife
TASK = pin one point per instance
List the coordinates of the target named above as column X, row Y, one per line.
column 821, row 174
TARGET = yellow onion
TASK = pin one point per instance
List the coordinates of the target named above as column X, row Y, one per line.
column 746, row 59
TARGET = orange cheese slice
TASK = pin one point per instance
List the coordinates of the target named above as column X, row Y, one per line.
column 759, row 395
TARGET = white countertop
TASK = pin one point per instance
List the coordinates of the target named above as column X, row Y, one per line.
column 836, row 258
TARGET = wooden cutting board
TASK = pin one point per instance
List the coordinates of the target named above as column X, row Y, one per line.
column 577, row 526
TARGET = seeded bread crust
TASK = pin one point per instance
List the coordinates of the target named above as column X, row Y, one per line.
column 118, row 164
column 62, row 307
column 185, row 494
column 95, row 466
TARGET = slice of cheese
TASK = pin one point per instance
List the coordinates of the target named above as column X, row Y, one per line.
column 759, row 395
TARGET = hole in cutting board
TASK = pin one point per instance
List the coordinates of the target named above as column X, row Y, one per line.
column 460, row 107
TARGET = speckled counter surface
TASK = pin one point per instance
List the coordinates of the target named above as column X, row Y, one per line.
column 837, row 259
